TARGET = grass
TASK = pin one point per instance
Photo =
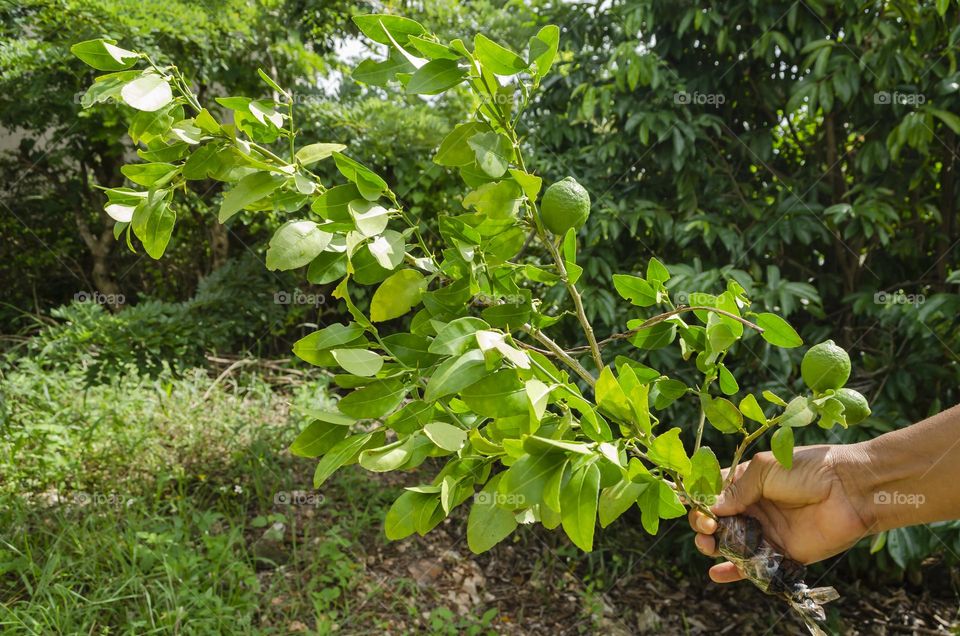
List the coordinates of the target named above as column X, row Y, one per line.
column 150, row 506
column 169, row 505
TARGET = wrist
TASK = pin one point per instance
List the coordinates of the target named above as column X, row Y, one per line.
column 853, row 465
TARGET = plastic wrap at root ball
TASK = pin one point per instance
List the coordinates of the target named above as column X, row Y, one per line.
column 740, row 540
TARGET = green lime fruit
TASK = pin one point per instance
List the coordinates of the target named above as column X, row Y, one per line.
column 855, row 407
column 825, row 366
column 565, row 205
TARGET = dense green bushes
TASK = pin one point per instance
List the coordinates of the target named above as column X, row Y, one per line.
column 235, row 309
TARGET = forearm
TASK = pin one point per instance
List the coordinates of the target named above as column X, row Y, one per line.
column 912, row 475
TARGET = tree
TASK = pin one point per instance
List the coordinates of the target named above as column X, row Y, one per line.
column 65, row 155
column 811, row 145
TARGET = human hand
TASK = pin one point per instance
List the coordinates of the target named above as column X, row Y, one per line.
column 812, row 511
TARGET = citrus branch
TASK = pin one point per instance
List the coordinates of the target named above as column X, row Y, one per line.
column 558, row 351
column 742, row 447
column 505, row 123
column 661, row 317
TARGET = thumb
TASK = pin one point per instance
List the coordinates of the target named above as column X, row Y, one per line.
column 742, row 493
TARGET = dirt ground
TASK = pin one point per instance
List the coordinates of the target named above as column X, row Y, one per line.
column 540, row 584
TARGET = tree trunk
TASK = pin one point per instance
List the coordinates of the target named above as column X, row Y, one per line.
column 219, row 244
column 99, row 246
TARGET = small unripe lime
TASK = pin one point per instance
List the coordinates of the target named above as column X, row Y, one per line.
column 855, row 407
column 825, row 366
column 565, row 205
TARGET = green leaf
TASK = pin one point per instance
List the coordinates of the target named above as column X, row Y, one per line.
column 433, row 50
column 656, row 337
column 313, row 153
column 389, row 457
column 446, row 436
column 331, row 417
column 611, row 396
column 797, row 413
column 158, row 229
column 341, row 454
column 659, row 501
column 657, row 272
column 455, row 149
column 326, row 268
column 531, row 185
column 635, row 289
column 372, row 25
column 149, row 174
column 334, row 204
column 103, row 55
column 410, row 349
column 719, row 334
column 374, row 400
column 311, row 346
column 781, row 443
column 728, row 383
column 488, row 523
column 667, row 451
column 397, row 295
column 318, row 438
column 578, row 506
column 248, row 191
column 493, row 152
column 295, row 244
column 411, row 418
column 500, row 200
column 496, row 58
column 499, row 394
column 524, row 482
column 722, row 414
column 778, row 331
column 773, row 398
column 668, row 392
column 436, row 76
column 358, row 361
column 457, row 336
column 705, row 480
column 617, row 499
column 948, row 118
column 455, row 375
column 388, row 249
column 149, row 93
column 380, row 73
column 369, row 184
column 543, row 48
column 751, row 409
column 401, row 519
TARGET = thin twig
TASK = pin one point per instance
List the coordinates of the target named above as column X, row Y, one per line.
column 558, row 351
column 661, row 317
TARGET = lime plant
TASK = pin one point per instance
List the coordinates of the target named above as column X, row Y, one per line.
column 452, row 357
